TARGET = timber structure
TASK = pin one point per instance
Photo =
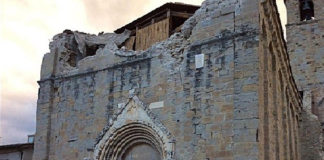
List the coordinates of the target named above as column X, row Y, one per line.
column 157, row 25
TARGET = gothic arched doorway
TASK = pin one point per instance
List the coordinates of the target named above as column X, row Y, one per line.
column 134, row 134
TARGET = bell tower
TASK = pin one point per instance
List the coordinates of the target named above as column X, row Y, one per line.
column 306, row 10
column 305, row 45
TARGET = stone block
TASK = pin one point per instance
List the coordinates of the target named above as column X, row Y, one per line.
column 199, row 60
column 156, row 105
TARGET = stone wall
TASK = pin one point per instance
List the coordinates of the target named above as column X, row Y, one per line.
column 214, row 87
column 305, row 41
column 280, row 103
column 293, row 14
column 311, row 131
column 317, row 103
column 233, row 26
column 312, row 137
column 305, row 45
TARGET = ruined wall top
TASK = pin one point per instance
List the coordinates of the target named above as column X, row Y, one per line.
column 72, row 53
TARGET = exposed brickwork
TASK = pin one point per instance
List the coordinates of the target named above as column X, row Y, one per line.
column 240, row 102
column 279, row 100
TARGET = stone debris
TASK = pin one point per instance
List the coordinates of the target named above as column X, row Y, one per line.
column 221, row 88
column 86, row 48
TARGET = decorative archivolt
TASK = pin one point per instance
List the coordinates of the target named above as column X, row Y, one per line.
column 133, row 124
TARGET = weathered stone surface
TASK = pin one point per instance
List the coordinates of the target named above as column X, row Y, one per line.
column 305, row 45
column 241, row 103
column 130, row 121
column 156, row 105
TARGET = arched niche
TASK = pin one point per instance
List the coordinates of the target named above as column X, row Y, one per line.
column 306, row 9
column 134, row 133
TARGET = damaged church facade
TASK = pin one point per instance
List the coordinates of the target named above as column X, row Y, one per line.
column 186, row 82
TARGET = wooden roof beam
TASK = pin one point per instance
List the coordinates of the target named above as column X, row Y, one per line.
column 181, row 14
column 149, row 19
column 154, row 20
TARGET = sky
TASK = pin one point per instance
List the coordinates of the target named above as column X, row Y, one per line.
column 27, row 27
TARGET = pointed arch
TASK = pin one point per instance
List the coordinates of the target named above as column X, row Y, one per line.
column 132, row 125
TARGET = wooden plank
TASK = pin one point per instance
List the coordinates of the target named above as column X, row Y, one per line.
column 160, row 18
column 151, row 17
column 170, row 24
column 169, row 13
column 130, row 43
column 152, row 34
column 155, row 20
column 181, row 14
